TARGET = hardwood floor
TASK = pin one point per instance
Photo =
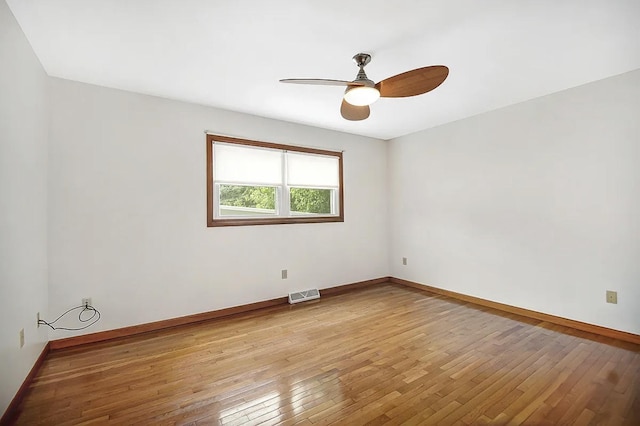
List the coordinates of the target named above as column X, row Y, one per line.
column 381, row 355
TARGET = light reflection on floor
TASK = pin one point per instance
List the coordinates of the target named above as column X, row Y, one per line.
column 271, row 399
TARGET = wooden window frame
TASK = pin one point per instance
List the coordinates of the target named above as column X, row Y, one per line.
column 217, row 222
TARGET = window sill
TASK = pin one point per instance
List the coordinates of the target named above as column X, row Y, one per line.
column 272, row 221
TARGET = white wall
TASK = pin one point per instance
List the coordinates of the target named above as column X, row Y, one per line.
column 536, row 205
column 23, row 205
column 128, row 212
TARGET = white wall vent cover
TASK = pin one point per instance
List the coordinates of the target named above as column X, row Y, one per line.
column 301, row 296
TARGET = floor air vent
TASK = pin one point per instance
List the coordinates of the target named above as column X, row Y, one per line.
column 301, row 296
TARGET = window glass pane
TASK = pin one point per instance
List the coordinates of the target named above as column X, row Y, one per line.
column 240, row 164
column 312, row 170
column 310, row 201
column 251, row 201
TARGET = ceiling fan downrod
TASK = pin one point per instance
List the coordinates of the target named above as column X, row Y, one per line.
column 361, row 60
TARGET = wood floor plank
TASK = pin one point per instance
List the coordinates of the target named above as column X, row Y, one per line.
column 379, row 355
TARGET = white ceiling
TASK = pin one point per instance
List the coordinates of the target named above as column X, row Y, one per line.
column 230, row 54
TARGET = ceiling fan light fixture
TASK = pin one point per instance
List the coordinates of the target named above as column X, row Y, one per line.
column 361, row 95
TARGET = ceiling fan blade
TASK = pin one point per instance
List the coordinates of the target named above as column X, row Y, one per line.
column 354, row 113
column 320, row 82
column 414, row 82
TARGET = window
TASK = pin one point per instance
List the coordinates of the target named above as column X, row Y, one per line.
column 260, row 183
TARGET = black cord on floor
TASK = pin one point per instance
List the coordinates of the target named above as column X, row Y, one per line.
column 94, row 317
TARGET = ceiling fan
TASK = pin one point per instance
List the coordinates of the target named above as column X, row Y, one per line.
column 362, row 92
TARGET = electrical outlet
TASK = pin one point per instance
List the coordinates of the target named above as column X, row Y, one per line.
column 38, row 319
column 21, row 338
column 284, row 274
column 86, row 302
column 404, row 260
column 612, row 296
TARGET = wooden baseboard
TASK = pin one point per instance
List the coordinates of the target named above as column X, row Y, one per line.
column 190, row 319
column 101, row 336
column 11, row 413
column 332, row 291
column 578, row 325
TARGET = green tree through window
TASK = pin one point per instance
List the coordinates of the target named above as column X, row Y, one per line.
column 306, row 200
column 258, row 197
column 303, row 200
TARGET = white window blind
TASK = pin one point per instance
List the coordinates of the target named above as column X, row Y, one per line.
column 312, row 170
column 240, row 164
